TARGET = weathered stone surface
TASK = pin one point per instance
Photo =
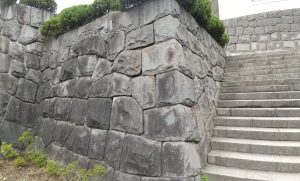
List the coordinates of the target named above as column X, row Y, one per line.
column 16, row 51
column 13, row 110
column 163, row 57
column 174, row 88
column 175, row 123
column 32, row 61
column 143, row 90
column 83, row 87
column 141, row 156
column 97, row 144
column 28, row 115
column 196, row 65
column 17, row 68
column 12, row 30
column 10, row 12
column 120, row 85
column 78, row 140
column 119, row 176
column 140, row 37
column 102, row 87
column 62, row 108
column 115, row 45
column 28, row 35
column 86, row 65
column 128, row 62
column 127, row 115
column 64, row 156
column 103, row 67
column 35, row 48
column 45, row 108
column 24, row 14
column 62, row 132
column 98, row 114
column 52, row 151
column 78, row 111
column 83, row 161
column 26, row 90
column 36, row 17
column 4, row 100
column 113, row 149
column 91, row 45
column 45, row 129
column 129, row 19
column 109, row 176
column 10, row 133
column 8, row 83
column 69, row 69
column 4, row 63
column 180, row 159
column 44, row 91
column 35, row 76
column 4, row 44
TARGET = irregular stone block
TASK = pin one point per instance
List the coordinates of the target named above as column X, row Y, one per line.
column 28, row 115
column 66, row 89
column 13, row 110
column 10, row 133
column 45, row 108
column 62, row 108
column 10, row 12
column 24, row 14
column 143, row 90
column 115, row 45
column 175, row 123
column 83, row 87
column 141, row 156
column 78, row 111
column 128, row 62
column 83, row 161
column 78, row 140
column 69, row 69
column 45, row 129
column 127, row 115
column 32, row 61
column 17, row 68
column 197, row 65
column 102, row 87
column 103, row 67
column 12, row 30
column 16, row 51
column 35, row 48
column 91, row 45
column 163, row 57
column 62, row 132
column 97, row 144
column 120, row 85
column 44, row 91
column 140, row 37
column 4, row 100
column 86, row 65
column 64, row 156
column 98, row 114
column 8, row 83
column 180, row 159
column 119, row 176
column 174, row 88
column 4, row 63
column 52, row 151
column 4, row 44
column 113, row 149
column 36, row 17
column 129, row 20
column 35, row 76
column 26, row 90
column 242, row 47
column 28, row 35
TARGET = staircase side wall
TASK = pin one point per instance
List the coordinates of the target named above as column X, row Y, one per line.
column 135, row 91
column 276, row 30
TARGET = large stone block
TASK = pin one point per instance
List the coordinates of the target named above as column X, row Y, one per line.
column 103, row 67
column 83, row 87
column 10, row 12
column 4, row 63
column 17, row 68
column 62, row 132
column 143, row 90
column 16, row 51
column 26, row 90
column 36, row 17
column 163, row 57
column 97, row 144
column 4, row 44
column 4, row 100
column 62, row 108
column 113, row 149
column 8, row 83
column 35, row 76
column 86, row 65
column 69, row 69
column 13, row 110
column 28, row 115
column 64, row 156
column 102, row 87
column 174, row 88
column 198, row 66
column 120, row 85
column 24, row 14
column 141, row 156
column 115, row 45
column 32, row 60
column 44, row 91
column 28, row 35
column 45, row 108
column 78, row 111
column 180, row 159
column 129, row 19
column 78, row 140
column 10, row 133
column 128, row 62
column 98, row 114
column 92, row 45
column 140, row 37
column 12, row 30
column 45, row 129
column 119, row 176
column 127, row 115
column 175, row 123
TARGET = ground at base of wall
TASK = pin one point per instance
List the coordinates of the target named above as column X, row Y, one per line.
column 9, row 172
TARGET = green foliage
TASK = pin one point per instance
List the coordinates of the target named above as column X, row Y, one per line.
column 223, row 40
column 201, row 10
column 100, row 7
column 96, row 171
column 53, row 168
column 20, row 161
column 52, row 27
column 48, row 5
column 7, row 2
column 204, row 178
column 27, row 138
column 39, row 159
column 216, row 29
column 8, row 151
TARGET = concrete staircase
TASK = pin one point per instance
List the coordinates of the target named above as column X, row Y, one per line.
column 257, row 133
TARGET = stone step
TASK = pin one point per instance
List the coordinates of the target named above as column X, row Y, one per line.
column 261, row 162
column 272, row 134
column 261, row 72
column 265, row 88
column 263, row 103
column 265, row 55
column 259, row 112
column 263, row 77
column 220, row 173
column 262, row 82
column 259, row 122
column 260, row 95
column 288, row 148
column 259, row 68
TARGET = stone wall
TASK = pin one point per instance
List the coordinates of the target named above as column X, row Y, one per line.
column 135, row 91
column 276, row 30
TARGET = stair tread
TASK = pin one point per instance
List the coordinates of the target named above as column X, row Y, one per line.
column 256, row 129
column 258, row 118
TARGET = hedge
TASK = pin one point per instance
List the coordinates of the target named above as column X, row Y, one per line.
column 76, row 16
column 48, row 5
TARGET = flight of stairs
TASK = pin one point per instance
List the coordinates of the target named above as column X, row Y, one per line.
column 257, row 133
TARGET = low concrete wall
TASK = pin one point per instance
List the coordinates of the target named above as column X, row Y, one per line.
column 276, row 30
column 135, row 91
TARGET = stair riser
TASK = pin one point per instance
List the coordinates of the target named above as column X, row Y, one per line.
column 215, row 177
column 258, row 123
column 259, row 135
column 259, row 68
column 257, row 104
column 269, row 56
column 258, row 112
column 262, row 77
column 261, row 83
column 256, row 149
column 255, row 63
column 255, row 165
column 270, row 88
column 262, row 72
column 256, row 96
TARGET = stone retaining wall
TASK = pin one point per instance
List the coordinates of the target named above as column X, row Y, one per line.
column 276, row 30
column 135, row 91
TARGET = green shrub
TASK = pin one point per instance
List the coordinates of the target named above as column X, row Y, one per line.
column 48, row 5
column 223, row 40
column 216, row 29
column 8, row 151
column 96, row 171
column 52, row 27
column 27, row 138
column 20, row 161
column 39, row 159
column 53, row 168
column 201, row 10
column 204, row 178
column 7, row 2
